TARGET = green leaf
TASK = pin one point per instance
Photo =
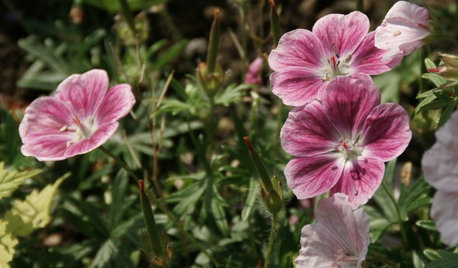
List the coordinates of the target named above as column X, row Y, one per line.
column 34, row 211
column 219, row 216
column 414, row 196
column 250, row 199
column 427, row 224
column 446, row 259
column 429, row 64
column 447, row 112
column 381, row 197
column 7, row 243
column 10, row 180
column 169, row 55
column 436, row 79
column 424, row 102
column 231, row 94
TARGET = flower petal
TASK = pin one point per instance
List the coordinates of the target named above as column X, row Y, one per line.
column 446, row 135
column 403, row 29
column 118, row 101
column 83, row 92
column 312, row 176
column 386, row 131
column 341, row 34
column 444, row 212
column 360, row 179
column 340, row 237
column 440, row 167
column 348, row 102
column 307, row 132
column 40, row 129
column 368, row 59
column 299, row 47
column 296, row 85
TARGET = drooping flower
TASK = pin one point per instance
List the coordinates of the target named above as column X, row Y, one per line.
column 253, row 75
column 340, row 238
column 441, row 171
column 306, row 61
column 340, row 143
column 403, row 30
column 81, row 116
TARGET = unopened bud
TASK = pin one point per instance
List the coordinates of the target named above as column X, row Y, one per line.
column 76, row 15
column 449, row 70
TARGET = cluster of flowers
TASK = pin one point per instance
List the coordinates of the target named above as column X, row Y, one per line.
column 339, row 132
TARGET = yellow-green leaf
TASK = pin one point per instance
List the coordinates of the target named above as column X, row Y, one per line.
column 7, row 244
column 34, row 211
column 10, row 180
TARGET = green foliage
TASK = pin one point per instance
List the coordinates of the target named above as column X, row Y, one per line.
column 33, row 212
column 11, row 180
column 7, row 243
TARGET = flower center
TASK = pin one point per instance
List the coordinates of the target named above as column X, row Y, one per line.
column 81, row 129
column 336, row 67
column 350, row 150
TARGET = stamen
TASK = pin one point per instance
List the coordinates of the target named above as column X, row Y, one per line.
column 397, row 33
column 64, row 128
column 333, row 61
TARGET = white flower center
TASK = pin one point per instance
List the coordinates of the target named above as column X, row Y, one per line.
column 336, row 67
column 350, row 150
column 81, row 129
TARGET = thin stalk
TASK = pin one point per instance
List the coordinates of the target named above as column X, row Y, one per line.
column 161, row 205
column 273, row 232
column 120, row 162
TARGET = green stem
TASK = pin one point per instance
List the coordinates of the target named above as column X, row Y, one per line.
column 128, row 15
column 161, row 205
column 120, row 162
column 273, row 231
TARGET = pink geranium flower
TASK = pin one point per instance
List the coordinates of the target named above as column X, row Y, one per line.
column 340, row 142
column 81, row 116
column 403, row 30
column 253, row 75
column 340, row 237
column 441, row 171
column 306, row 61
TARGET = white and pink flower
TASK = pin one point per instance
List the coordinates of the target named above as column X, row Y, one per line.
column 441, row 171
column 340, row 238
column 306, row 61
column 403, row 30
column 81, row 116
column 340, row 143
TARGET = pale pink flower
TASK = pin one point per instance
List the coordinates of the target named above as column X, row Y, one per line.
column 444, row 211
column 340, row 238
column 81, row 116
column 403, row 30
column 338, row 45
column 340, row 143
column 253, row 75
column 441, row 171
